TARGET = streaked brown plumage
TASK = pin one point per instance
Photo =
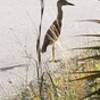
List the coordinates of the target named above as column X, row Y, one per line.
column 53, row 32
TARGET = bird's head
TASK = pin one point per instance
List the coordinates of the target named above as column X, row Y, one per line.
column 64, row 2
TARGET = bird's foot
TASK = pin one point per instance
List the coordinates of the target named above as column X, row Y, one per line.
column 55, row 60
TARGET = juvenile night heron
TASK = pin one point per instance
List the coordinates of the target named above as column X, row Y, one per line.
column 54, row 31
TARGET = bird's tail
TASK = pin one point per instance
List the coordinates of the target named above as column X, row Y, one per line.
column 44, row 49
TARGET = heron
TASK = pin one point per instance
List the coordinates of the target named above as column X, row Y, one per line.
column 54, row 30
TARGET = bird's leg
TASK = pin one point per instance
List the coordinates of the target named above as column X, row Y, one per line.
column 53, row 52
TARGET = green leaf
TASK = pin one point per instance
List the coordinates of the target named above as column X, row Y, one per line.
column 90, row 35
column 96, row 75
column 92, row 47
column 85, row 72
column 91, row 20
column 95, row 57
column 91, row 94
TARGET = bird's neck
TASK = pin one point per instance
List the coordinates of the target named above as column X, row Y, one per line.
column 60, row 14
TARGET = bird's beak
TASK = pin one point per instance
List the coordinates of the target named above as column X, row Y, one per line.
column 68, row 3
